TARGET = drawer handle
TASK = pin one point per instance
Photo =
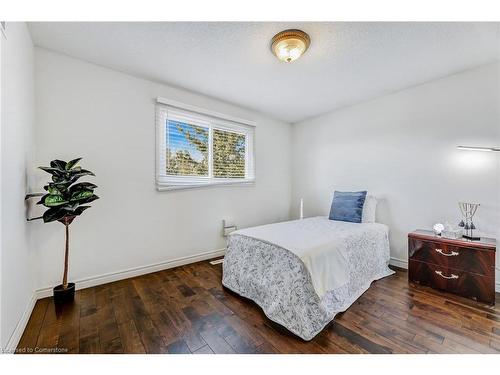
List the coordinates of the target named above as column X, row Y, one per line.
column 453, row 276
column 452, row 254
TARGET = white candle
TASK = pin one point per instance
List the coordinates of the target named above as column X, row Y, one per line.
column 301, row 208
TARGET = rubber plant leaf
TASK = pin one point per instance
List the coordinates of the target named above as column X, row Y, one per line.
column 76, row 176
column 70, row 207
column 54, row 201
column 53, row 190
column 52, row 171
column 74, row 170
column 72, row 163
column 58, row 164
column 92, row 198
column 61, row 185
column 53, row 214
column 66, row 198
column 42, row 199
column 82, row 185
column 59, row 178
column 81, row 195
column 79, row 210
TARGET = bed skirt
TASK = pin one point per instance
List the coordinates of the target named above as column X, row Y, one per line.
column 278, row 281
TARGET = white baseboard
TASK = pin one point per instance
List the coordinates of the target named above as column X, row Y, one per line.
column 21, row 326
column 137, row 271
column 402, row 263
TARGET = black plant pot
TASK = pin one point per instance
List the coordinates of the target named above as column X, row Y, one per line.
column 62, row 295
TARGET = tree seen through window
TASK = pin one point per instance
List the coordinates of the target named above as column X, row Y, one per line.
column 188, row 147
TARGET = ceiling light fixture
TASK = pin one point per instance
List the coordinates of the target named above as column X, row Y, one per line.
column 290, row 44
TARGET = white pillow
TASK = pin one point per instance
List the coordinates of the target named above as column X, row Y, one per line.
column 369, row 208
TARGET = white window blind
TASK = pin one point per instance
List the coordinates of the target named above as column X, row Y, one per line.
column 196, row 147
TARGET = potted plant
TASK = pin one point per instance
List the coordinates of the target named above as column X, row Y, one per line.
column 66, row 199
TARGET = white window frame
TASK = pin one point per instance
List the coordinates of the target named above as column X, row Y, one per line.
column 168, row 109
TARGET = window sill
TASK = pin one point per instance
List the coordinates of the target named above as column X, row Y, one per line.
column 164, row 186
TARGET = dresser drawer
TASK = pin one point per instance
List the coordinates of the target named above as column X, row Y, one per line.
column 460, row 258
column 481, row 288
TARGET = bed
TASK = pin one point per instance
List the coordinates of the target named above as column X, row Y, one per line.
column 303, row 272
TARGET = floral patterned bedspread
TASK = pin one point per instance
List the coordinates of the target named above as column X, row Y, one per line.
column 278, row 281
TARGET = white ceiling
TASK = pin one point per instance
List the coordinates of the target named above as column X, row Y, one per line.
column 346, row 63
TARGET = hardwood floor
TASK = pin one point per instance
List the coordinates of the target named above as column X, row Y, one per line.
column 186, row 310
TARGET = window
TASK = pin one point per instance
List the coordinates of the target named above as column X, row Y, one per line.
column 187, row 149
column 197, row 147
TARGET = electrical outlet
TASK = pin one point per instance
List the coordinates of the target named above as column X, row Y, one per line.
column 227, row 228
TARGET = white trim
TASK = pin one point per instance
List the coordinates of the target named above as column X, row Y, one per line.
column 1, row 195
column 165, row 187
column 136, row 271
column 15, row 337
column 401, row 263
column 203, row 111
column 210, row 151
column 168, row 109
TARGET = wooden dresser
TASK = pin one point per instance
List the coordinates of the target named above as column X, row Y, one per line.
column 460, row 266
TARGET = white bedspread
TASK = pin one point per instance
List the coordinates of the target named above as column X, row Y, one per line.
column 274, row 265
column 321, row 244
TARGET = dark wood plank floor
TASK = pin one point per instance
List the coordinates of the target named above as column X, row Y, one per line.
column 186, row 310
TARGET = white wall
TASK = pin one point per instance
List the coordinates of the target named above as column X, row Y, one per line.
column 17, row 277
column 107, row 118
column 402, row 148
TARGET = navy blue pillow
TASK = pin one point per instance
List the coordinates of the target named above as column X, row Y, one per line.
column 347, row 206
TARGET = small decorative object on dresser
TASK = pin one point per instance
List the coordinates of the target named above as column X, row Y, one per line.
column 452, row 233
column 457, row 266
column 438, row 228
column 468, row 211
